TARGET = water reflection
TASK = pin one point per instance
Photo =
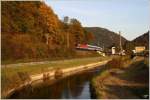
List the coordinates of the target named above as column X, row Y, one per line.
column 75, row 87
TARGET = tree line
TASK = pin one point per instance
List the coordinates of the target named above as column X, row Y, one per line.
column 31, row 30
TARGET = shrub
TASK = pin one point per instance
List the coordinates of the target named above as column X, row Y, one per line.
column 45, row 76
column 115, row 63
column 58, row 73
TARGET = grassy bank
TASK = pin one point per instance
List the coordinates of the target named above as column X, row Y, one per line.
column 10, row 78
column 123, row 78
column 80, row 54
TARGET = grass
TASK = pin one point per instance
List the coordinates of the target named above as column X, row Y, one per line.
column 116, row 63
column 146, row 61
column 9, row 74
column 97, row 82
column 133, row 71
column 34, row 69
column 136, row 68
column 26, row 60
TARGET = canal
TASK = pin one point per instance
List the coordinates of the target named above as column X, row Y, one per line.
column 72, row 87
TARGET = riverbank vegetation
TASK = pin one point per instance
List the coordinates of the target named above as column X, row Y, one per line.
column 130, row 80
column 11, row 79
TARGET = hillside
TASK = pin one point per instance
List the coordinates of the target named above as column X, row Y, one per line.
column 32, row 30
column 105, row 37
column 142, row 40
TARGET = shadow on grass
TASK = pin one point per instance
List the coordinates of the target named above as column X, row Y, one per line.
column 127, row 92
column 137, row 72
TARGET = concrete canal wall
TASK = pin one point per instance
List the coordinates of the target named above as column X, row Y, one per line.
column 51, row 74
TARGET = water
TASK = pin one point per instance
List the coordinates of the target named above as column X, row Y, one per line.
column 72, row 87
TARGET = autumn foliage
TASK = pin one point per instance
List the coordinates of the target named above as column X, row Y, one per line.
column 31, row 30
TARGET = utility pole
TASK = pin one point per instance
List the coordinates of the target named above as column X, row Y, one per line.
column 120, row 42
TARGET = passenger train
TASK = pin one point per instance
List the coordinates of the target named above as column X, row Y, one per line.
column 88, row 47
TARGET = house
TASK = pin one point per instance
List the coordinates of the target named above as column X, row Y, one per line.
column 139, row 49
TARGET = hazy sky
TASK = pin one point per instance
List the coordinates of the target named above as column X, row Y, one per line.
column 131, row 17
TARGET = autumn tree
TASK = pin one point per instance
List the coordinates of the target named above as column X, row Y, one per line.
column 31, row 30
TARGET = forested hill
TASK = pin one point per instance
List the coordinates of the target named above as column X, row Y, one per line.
column 142, row 40
column 31, row 29
column 105, row 37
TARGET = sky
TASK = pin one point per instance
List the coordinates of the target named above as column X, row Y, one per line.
column 131, row 17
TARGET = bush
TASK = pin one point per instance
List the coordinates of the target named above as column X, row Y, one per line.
column 58, row 73
column 115, row 63
column 45, row 76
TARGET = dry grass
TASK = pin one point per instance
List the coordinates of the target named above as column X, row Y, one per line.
column 10, row 78
column 121, row 69
column 115, row 63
